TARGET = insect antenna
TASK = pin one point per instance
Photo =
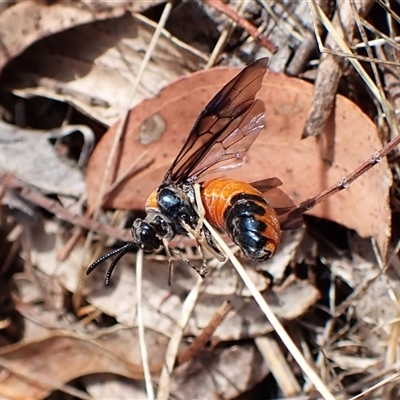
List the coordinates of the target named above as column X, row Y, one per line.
column 121, row 251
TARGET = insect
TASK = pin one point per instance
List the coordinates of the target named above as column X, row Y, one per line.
column 252, row 214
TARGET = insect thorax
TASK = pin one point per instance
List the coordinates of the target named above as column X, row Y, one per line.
column 175, row 204
column 166, row 217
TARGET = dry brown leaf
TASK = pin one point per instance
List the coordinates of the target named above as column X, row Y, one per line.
column 230, row 371
column 94, row 66
column 287, row 305
column 306, row 167
column 29, row 21
column 163, row 304
column 108, row 386
column 37, row 368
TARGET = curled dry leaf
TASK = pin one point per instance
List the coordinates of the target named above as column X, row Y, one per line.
column 306, row 167
column 94, row 66
column 37, row 368
column 29, row 21
column 230, row 371
column 28, row 155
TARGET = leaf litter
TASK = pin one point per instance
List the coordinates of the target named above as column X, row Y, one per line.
column 41, row 20
column 30, row 157
column 105, row 51
column 324, row 269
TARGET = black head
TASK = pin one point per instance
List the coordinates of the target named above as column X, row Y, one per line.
column 144, row 237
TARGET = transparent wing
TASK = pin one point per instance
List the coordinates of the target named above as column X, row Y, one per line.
column 290, row 216
column 225, row 129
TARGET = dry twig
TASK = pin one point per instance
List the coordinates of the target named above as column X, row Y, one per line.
column 205, row 335
column 35, row 197
column 243, row 23
column 331, row 68
column 307, row 46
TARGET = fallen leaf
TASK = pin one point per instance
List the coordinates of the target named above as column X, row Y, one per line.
column 28, row 21
column 37, row 368
column 373, row 301
column 230, row 371
column 94, row 66
column 108, row 386
column 205, row 377
column 287, row 305
column 163, row 304
column 28, row 155
column 288, row 246
column 306, row 167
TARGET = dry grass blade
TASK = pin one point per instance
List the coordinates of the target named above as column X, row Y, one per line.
column 330, row 68
column 112, row 155
column 278, row 365
column 317, row 11
column 142, row 340
column 111, row 160
column 373, row 388
column 313, row 376
column 176, row 337
column 319, row 15
column 223, row 38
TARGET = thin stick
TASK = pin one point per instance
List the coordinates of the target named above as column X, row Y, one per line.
column 121, row 125
column 142, row 340
column 223, row 38
column 244, row 24
column 345, row 182
column 330, row 68
column 176, row 337
column 205, row 335
column 341, row 44
column 377, row 386
column 35, row 197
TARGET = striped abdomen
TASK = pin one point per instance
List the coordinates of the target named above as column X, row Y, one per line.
column 241, row 211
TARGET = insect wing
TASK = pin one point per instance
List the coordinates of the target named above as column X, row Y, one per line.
column 289, row 215
column 264, row 185
column 225, row 129
column 292, row 219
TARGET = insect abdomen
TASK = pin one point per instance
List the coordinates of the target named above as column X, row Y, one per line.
column 241, row 211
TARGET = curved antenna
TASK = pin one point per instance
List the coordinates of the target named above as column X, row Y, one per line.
column 110, row 269
column 121, row 251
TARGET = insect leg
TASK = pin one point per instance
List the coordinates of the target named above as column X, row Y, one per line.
column 170, row 260
column 202, row 272
column 211, row 243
